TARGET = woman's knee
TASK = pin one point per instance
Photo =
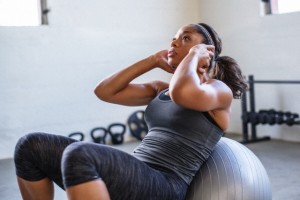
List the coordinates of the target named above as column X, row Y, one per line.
column 38, row 155
column 77, row 153
column 27, row 144
column 24, row 156
column 78, row 164
column 74, row 150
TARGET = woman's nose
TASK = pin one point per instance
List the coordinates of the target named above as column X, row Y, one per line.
column 175, row 43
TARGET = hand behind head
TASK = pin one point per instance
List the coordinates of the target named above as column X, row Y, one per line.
column 161, row 60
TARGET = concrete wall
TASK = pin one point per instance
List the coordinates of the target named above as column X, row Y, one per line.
column 48, row 73
column 266, row 47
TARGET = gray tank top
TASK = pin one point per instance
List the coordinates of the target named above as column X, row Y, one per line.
column 179, row 139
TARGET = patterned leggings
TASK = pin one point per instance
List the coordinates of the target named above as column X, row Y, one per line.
column 68, row 162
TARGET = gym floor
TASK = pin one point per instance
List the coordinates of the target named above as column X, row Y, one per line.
column 281, row 160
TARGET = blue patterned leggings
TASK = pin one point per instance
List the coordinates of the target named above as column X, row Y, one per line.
column 68, row 162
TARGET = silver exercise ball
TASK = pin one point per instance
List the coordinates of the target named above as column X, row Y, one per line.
column 232, row 172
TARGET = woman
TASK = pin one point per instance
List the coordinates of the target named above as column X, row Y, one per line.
column 186, row 118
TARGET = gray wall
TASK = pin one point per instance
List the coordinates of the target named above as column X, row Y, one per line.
column 265, row 46
column 48, row 73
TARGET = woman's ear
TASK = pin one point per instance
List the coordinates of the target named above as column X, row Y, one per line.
column 202, row 70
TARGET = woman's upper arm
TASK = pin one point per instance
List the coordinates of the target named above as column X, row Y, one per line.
column 209, row 96
column 134, row 94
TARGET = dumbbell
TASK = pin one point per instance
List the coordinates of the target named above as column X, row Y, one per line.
column 279, row 117
column 271, row 116
column 267, row 116
column 262, row 116
column 291, row 118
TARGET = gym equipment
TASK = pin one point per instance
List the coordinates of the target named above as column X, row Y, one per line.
column 231, row 172
column 263, row 116
column 77, row 136
column 117, row 131
column 255, row 118
column 267, row 116
column 270, row 117
column 291, row 118
column 279, row 117
column 137, row 125
column 98, row 135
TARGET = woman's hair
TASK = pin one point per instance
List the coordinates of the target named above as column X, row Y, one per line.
column 223, row 68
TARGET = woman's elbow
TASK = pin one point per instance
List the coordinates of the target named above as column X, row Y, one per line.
column 177, row 95
column 100, row 92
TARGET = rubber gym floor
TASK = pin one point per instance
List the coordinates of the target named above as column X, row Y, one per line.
column 281, row 160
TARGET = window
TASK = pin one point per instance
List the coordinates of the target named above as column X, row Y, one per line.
column 279, row 6
column 285, row 6
column 23, row 12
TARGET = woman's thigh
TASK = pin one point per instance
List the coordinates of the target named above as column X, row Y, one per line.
column 38, row 155
column 125, row 176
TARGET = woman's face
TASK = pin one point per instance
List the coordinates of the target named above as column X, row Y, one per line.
column 185, row 38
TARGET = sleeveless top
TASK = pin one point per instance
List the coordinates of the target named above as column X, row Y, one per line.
column 179, row 139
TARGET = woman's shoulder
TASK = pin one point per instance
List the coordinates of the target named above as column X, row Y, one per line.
column 219, row 85
column 159, row 86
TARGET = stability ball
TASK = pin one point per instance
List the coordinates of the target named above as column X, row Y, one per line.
column 232, row 172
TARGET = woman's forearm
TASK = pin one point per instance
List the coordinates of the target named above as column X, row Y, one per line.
column 185, row 76
column 190, row 73
column 120, row 80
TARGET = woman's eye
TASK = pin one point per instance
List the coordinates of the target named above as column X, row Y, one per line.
column 185, row 37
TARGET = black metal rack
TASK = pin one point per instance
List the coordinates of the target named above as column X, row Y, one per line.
column 252, row 111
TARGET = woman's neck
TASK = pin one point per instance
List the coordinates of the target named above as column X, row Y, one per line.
column 203, row 77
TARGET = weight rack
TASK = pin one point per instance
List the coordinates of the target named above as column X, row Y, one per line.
column 252, row 111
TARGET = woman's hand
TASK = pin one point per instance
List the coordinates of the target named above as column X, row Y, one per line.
column 118, row 88
column 205, row 53
column 161, row 61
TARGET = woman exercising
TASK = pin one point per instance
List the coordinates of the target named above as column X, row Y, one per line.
column 185, row 117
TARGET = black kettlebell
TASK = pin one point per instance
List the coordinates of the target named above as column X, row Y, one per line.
column 98, row 135
column 117, row 131
column 77, row 136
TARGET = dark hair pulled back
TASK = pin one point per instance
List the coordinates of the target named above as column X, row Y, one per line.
column 223, row 68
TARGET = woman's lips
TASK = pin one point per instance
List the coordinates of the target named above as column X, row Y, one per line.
column 171, row 53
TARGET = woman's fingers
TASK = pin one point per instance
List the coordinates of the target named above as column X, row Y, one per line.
column 210, row 47
column 168, row 68
column 162, row 61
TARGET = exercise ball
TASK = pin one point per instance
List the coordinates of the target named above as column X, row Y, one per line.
column 232, row 172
